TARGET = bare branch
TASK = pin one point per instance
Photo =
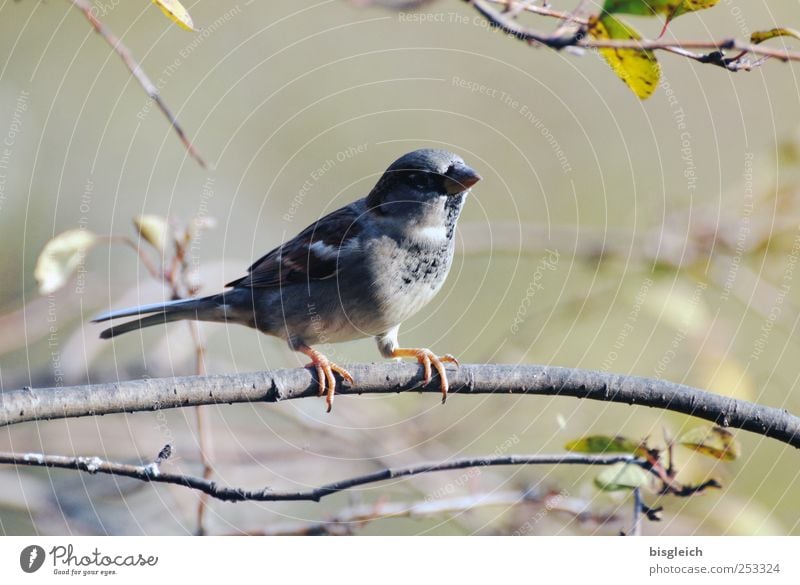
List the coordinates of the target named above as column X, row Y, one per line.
column 577, row 38
column 153, row 474
column 30, row 404
column 576, row 19
column 138, row 73
column 514, row 8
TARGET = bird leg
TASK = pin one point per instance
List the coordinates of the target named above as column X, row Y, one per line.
column 427, row 358
column 325, row 369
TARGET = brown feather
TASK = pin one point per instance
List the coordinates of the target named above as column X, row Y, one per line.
column 297, row 261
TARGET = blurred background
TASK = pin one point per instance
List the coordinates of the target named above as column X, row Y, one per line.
column 655, row 238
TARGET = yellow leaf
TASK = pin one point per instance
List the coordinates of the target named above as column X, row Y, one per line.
column 176, row 13
column 60, row 257
column 154, row 229
column 603, row 444
column 712, row 441
column 638, row 68
column 765, row 35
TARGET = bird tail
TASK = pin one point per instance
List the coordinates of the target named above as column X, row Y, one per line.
column 203, row 309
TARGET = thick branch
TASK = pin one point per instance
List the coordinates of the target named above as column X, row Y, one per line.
column 31, row 404
column 152, row 473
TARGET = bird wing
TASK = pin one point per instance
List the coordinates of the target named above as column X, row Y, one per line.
column 311, row 255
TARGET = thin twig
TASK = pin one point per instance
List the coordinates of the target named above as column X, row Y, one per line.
column 177, row 278
column 145, row 259
column 575, row 20
column 638, row 508
column 138, row 73
column 578, row 39
column 29, row 404
column 203, row 431
column 180, row 287
column 515, row 8
column 153, row 474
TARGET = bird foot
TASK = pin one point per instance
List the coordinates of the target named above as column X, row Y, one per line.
column 430, row 360
column 325, row 369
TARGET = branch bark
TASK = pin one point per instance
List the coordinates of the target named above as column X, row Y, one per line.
column 576, row 38
column 30, row 404
column 153, row 474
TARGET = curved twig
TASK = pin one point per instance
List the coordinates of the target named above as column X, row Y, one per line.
column 138, row 74
column 152, row 473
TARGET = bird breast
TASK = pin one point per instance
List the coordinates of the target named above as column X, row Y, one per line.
column 407, row 274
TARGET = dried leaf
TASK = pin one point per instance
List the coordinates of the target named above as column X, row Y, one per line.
column 175, row 11
column 154, row 229
column 712, row 441
column 60, row 257
column 638, row 68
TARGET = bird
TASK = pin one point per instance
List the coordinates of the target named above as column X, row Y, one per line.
column 358, row 272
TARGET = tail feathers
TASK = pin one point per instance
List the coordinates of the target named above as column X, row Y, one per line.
column 200, row 309
column 156, row 319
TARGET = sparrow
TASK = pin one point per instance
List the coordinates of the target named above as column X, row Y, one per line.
column 357, row 272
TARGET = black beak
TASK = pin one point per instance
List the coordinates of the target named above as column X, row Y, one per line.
column 459, row 177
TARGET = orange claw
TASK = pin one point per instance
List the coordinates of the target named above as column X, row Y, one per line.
column 325, row 369
column 427, row 358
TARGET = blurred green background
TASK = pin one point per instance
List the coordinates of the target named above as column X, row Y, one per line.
column 671, row 222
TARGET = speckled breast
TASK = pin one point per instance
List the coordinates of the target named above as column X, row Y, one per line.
column 409, row 276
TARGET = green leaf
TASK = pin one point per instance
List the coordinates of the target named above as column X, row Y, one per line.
column 621, row 477
column 669, row 8
column 765, row 35
column 638, row 68
column 60, row 257
column 603, row 444
column 691, row 6
column 715, row 442
column 641, row 7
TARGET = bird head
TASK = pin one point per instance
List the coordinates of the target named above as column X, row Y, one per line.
column 424, row 176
